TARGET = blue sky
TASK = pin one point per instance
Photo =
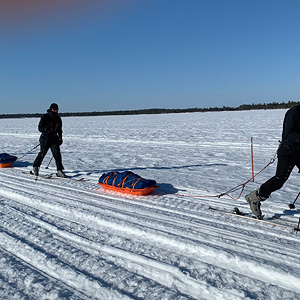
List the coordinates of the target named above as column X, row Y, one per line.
column 136, row 54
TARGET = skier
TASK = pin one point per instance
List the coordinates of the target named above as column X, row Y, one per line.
column 288, row 157
column 50, row 127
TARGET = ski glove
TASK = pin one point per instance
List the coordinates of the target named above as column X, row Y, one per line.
column 60, row 141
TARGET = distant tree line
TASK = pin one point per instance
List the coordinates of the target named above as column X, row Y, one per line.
column 273, row 105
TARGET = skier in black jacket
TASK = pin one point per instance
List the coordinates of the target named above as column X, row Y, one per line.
column 50, row 127
column 288, row 157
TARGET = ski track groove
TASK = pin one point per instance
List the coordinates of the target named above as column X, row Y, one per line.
column 168, row 241
column 36, row 281
column 171, row 219
column 47, row 262
column 90, row 245
column 173, row 271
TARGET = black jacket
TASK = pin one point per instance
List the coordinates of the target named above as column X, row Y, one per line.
column 50, row 126
column 291, row 125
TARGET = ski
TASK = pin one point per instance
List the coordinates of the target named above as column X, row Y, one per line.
column 71, row 178
column 51, row 176
column 79, row 179
column 47, row 176
column 269, row 220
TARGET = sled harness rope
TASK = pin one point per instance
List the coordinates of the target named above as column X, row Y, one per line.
column 240, row 186
column 29, row 151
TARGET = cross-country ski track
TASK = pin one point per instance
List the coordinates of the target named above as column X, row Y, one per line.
column 66, row 239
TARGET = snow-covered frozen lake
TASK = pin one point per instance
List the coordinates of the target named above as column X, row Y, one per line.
column 65, row 239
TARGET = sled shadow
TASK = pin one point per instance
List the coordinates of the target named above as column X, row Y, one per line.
column 166, row 188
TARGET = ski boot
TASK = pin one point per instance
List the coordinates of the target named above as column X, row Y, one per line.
column 35, row 171
column 60, row 173
column 254, row 199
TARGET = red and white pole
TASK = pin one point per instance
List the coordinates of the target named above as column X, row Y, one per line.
column 252, row 165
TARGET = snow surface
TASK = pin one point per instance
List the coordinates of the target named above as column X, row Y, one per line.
column 65, row 239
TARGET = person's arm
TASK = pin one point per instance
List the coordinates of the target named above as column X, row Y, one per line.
column 292, row 127
column 42, row 127
column 59, row 131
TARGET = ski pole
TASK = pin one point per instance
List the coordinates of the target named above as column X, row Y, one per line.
column 29, row 151
column 297, row 228
column 292, row 205
column 49, row 163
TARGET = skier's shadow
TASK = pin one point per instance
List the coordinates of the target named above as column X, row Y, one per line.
column 21, row 164
column 165, row 168
column 288, row 212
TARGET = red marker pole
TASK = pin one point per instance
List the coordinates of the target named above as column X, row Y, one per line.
column 252, row 159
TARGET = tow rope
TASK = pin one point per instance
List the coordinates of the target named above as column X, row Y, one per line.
column 240, row 186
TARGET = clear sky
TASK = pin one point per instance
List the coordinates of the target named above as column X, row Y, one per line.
column 102, row 55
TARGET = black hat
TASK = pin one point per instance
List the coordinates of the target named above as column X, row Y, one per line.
column 54, row 106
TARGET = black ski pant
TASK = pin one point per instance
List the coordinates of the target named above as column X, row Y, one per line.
column 45, row 145
column 285, row 165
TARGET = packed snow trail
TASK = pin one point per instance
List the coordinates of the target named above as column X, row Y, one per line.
column 65, row 239
column 72, row 240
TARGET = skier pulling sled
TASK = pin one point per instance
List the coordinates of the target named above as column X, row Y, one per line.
column 288, row 157
column 50, row 127
column 127, row 182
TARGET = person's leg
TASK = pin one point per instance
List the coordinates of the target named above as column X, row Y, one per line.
column 285, row 166
column 44, row 147
column 57, row 156
column 58, row 159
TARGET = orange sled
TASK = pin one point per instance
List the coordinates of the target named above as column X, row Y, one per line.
column 138, row 192
column 6, row 160
column 5, row 165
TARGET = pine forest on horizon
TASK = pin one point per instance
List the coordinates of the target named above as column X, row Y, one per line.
column 273, row 105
